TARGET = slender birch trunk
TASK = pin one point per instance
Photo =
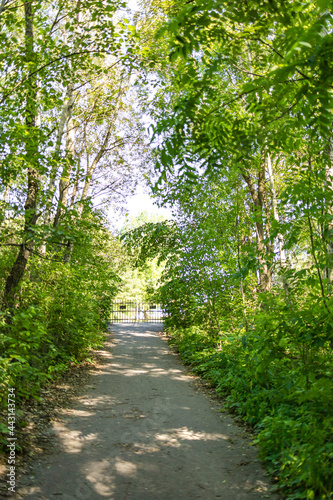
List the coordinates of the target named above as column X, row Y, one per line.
column 239, row 263
column 76, row 184
column 55, row 164
column 91, row 168
column 282, row 252
column 329, row 182
column 4, row 203
column 53, row 174
column 66, row 173
column 64, row 182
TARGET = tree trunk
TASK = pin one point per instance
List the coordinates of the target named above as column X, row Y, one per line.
column 76, row 184
column 239, row 262
column 30, row 207
column 4, row 203
column 329, row 182
column 282, row 252
column 258, row 198
column 91, row 168
column 66, row 110
column 212, row 305
column 62, row 122
column 89, row 173
column 65, row 177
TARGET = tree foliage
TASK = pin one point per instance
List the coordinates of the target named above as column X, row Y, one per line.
column 240, row 99
column 71, row 144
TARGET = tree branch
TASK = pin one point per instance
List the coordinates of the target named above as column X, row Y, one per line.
column 49, row 64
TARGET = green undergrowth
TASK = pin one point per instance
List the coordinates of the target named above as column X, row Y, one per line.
column 286, row 402
column 34, row 351
column 60, row 318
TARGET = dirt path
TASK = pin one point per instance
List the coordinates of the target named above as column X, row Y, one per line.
column 142, row 431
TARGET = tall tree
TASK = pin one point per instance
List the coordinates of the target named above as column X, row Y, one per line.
column 31, row 159
column 74, row 139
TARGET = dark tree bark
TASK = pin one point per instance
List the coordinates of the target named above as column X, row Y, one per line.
column 30, row 207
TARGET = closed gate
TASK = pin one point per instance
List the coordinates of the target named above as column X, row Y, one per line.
column 131, row 311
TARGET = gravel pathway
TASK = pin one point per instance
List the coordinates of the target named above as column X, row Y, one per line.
column 142, row 431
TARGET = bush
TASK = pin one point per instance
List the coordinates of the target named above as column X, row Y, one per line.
column 60, row 315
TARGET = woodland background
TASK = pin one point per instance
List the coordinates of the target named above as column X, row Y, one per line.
column 225, row 108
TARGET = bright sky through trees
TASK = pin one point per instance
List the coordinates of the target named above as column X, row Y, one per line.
column 136, row 204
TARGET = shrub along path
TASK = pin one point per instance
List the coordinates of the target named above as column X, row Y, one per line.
column 141, row 430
